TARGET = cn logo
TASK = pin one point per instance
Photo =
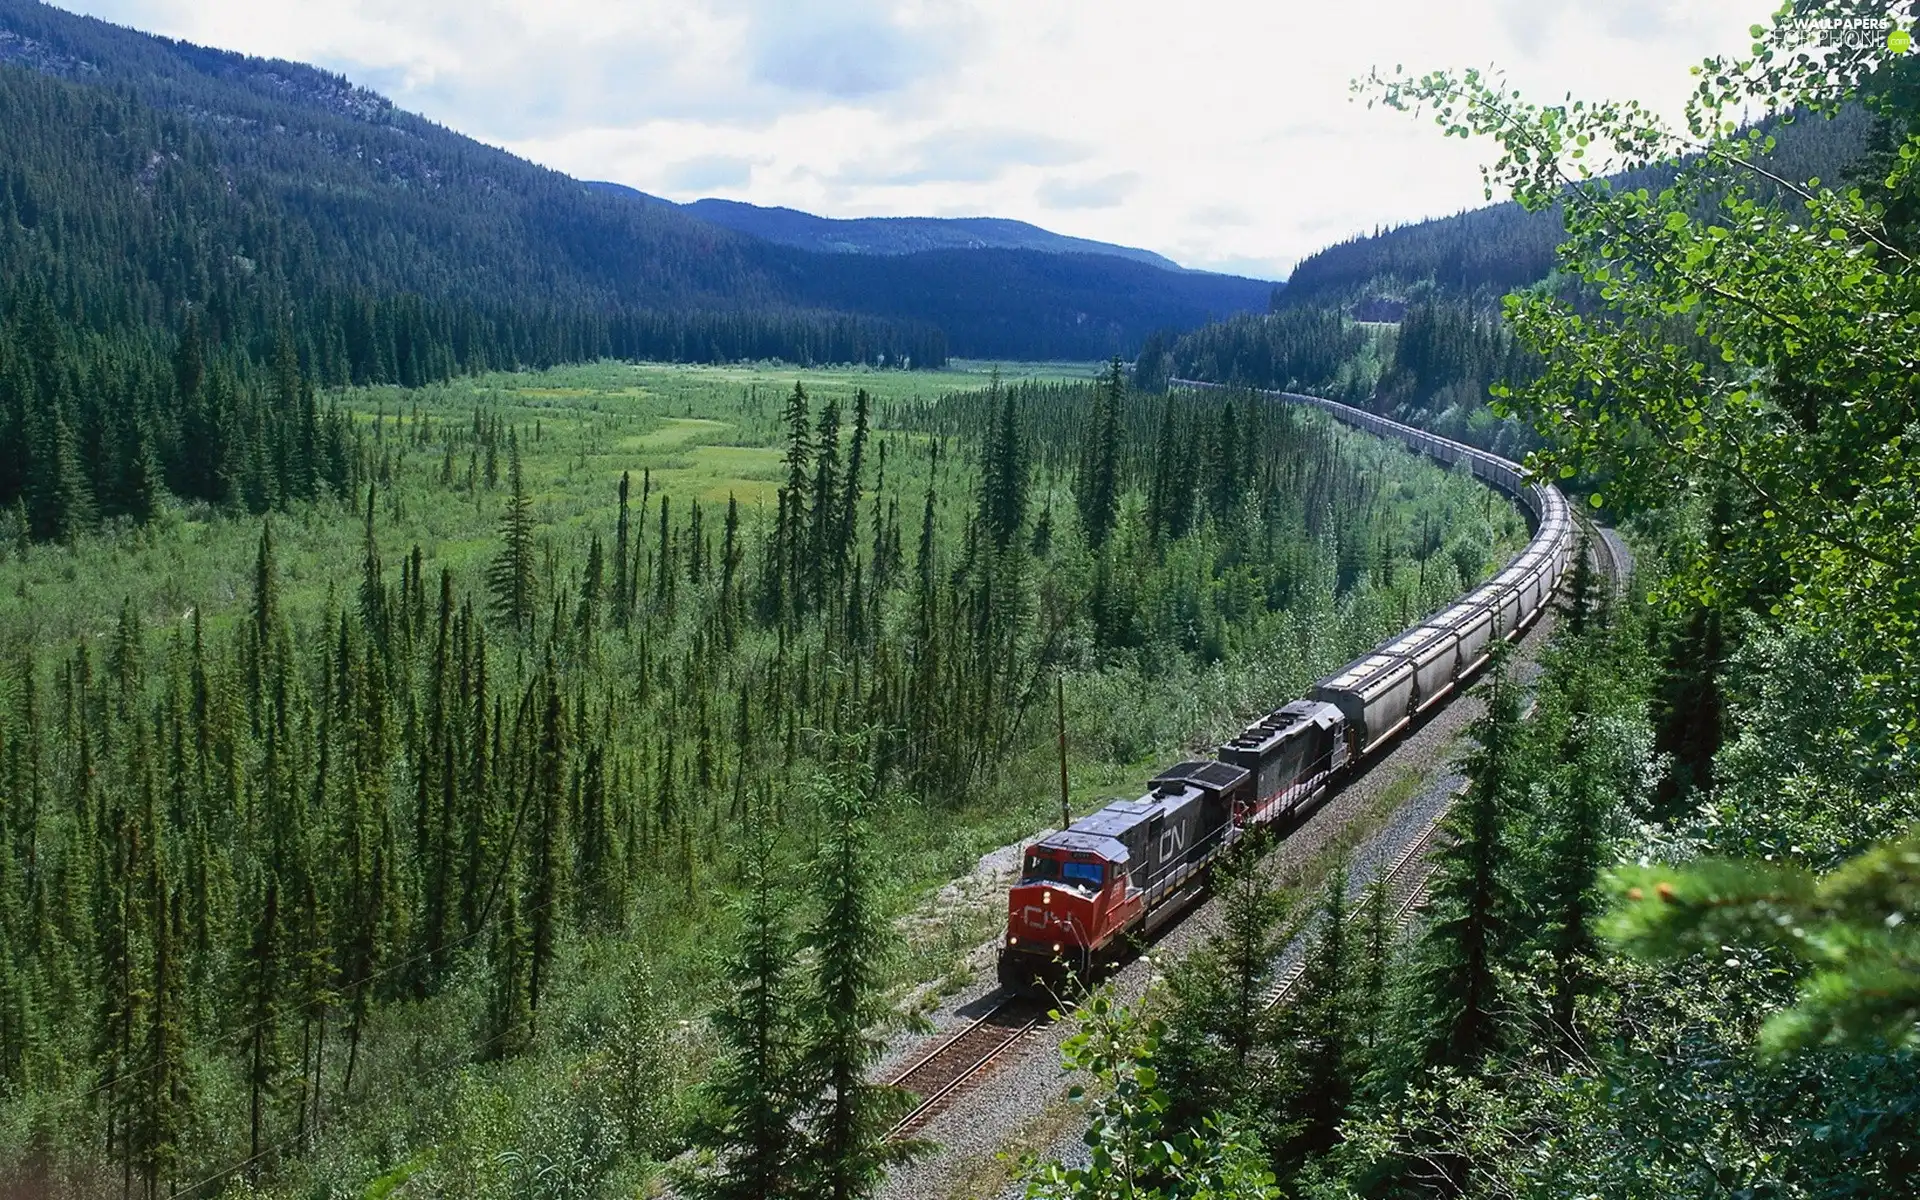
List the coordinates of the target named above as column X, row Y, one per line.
column 1171, row 841
column 1034, row 915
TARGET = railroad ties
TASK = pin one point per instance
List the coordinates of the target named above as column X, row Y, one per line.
column 962, row 1061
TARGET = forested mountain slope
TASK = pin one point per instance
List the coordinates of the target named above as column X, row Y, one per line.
column 139, row 174
column 890, row 235
column 1484, row 252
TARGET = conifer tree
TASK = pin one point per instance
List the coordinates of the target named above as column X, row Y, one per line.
column 754, row 1090
column 509, row 1015
column 1372, row 972
column 1575, row 848
column 373, row 592
column 622, row 548
column 1211, row 1057
column 1224, row 484
column 121, row 988
column 260, row 1001
column 822, row 550
column 1098, row 490
column 846, row 1148
column 789, row 559
column 1320, row 1039
column 1461, row 1013
column 551, row 862
column 849, row 518
column 60, row 503
column 510, row 579
column 1165, row 478
column 1003, row 484
column 731, row 553
column 602, row 879
column 166, row 1091
column 586, row 617
column 1581, row 591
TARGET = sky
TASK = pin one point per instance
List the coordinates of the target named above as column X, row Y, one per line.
column 1221, row 133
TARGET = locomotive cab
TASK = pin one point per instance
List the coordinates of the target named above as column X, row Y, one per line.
column 1074, row 891
column 1083, row 891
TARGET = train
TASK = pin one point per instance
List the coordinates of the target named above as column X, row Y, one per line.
column 1118, row 875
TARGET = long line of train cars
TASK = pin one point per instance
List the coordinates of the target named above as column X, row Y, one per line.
column 1123, row 871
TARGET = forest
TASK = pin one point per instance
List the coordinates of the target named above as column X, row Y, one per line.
column 1666, row 947
column 414, row 825
column 141, row 178
column 442, row 753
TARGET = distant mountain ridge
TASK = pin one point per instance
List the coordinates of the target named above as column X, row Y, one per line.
column 888, row 235
column 182, row 178
column 1482, row 253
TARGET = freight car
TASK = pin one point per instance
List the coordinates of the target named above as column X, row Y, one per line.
column 1124, row 871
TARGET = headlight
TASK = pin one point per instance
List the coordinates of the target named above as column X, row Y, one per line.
column 1056, row 947
column 1012, row 940
column 1046, row 897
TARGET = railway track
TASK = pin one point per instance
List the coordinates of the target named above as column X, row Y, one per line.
column 940, row 1075
column 1407, row 877
column 1605, row 556
column 963, row 1060
column 1406, row 887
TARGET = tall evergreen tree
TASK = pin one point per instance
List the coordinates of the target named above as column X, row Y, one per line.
column 510, row 579
column 1212, row 1059
column 1319, row 1060
column 260, row 1000
column 1003, row 483
column 846, row 1149
column 822, row 544
column 1462, row 1014
column 551, row 865
column 1098, row 490
column 755, row 1090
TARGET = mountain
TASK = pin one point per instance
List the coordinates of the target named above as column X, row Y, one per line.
column 1485, row 252
column 141, row 177
column 889, row 235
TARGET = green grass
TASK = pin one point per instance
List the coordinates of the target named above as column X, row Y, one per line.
column 700, row 434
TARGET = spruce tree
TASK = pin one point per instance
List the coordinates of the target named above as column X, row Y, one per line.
column 754, row 1091
column 822, row 547
column 1575, row 850
column 373, row 591
column 1003, row 483
column 1098, row 490
column 1319, row 1059
column 166, row 1092
column 1461, row 1011
column 789, row 554
column 551, row 865
column 622, row 549
column 846, row 1149
column 509, row 1015
column 510, row 579
column 1581, row 591
column 849, row 520
column 1224, row 484
column 260, row 1001
column 1212, row 1057
column 1373, row 970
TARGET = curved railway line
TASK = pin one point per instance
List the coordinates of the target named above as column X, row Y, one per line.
column 963, row 1059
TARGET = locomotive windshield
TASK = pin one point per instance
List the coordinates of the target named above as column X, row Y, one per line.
column 1040, row 869
column 1087, row 876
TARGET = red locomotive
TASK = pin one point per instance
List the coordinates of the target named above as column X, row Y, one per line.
column 1116, row 876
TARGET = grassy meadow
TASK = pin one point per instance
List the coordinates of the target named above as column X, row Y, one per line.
column 1282, row 569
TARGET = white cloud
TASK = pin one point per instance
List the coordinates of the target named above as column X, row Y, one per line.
column 1218, row 132
column 1105, row 192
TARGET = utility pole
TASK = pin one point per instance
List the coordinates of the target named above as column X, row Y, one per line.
column 1060, row 709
